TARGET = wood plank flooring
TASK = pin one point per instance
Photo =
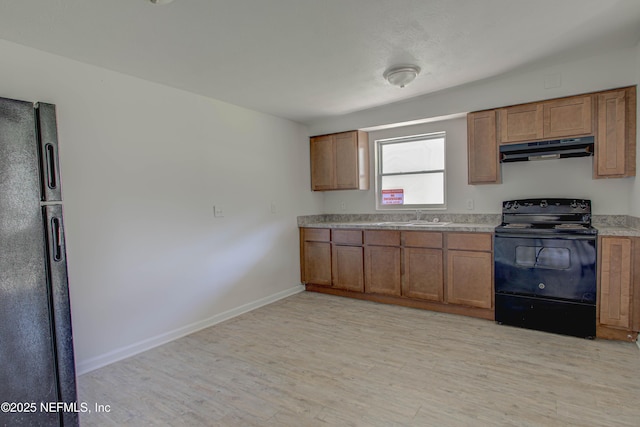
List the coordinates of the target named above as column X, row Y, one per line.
column 321, row 360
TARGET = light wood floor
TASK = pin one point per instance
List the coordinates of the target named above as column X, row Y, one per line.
column 321, row 360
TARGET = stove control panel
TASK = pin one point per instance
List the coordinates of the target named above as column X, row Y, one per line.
column 547, row 206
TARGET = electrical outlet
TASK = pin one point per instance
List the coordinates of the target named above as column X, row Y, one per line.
column 343, row 206
column 274, row 207
column 217, row 211
column 470, row 204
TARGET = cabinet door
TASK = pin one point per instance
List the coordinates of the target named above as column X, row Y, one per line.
column 521, row 123
column 611, row 141
column 482, row 148
column 615, row 282
column 382, row 270
column 317, row 263
column 423, row 274
column 469, row 278
column 347, row 268
column 322, row 162
column 568, row 117
column 346, row 160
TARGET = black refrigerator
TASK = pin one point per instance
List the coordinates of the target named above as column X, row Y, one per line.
column 37, row 371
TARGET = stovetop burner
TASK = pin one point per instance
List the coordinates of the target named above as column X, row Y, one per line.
column 516, row 225
column 570, row 227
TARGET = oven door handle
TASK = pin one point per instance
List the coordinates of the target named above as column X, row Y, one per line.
column 548, row 236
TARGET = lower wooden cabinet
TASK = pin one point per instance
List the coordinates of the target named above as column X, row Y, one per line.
column 347, row 268
column 423, row 274
column 618, row 310
column 347, row 260
column 317, row 263
column 412, row 268
column 453, row 272
column 382, row 270
column 470, row 269
column 382, row 262
column 423, row 265
column 469, row 278
column 315, row 247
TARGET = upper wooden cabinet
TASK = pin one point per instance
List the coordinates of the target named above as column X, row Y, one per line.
column 568, row 117
column 558, row 118
column 340, row 161
column 322, row 162
column 482, row 148
column 615, row 155
column 521, row 123
column 610, row 116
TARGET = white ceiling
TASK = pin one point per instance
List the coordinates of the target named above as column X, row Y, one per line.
column 309, row 59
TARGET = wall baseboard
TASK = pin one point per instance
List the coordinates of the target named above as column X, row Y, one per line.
column 133, row 349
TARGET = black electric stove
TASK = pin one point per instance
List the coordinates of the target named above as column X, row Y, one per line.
column 545, row 266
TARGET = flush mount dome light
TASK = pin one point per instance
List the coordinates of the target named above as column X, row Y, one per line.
column 401, row 75
column 160, row 1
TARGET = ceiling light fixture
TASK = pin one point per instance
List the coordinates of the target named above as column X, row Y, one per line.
column 401, row 75
column 160, row 1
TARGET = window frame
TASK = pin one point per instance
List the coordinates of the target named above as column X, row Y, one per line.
column 379, row 143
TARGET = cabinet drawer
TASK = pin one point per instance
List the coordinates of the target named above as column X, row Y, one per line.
column 346, row 237
column 422, row 239
column 316, row 234
column 469, row 241
column 382, row 237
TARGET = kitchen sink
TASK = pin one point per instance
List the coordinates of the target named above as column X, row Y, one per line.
column 419, row 223
column 415, row 223
column 429, row 223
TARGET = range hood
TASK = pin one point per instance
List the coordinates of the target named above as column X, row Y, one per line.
column 544, row 150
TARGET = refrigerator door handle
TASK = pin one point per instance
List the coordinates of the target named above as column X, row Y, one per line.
column 50, row 155
column 56, row 240
column 48, row 140
column 59, row 291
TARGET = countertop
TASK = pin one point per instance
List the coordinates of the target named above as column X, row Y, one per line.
column 607, row 225
column 374, row 225
column 479, row 223
column 617, row 231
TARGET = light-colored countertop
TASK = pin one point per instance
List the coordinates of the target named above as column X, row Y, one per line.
column 376, row 225
column 617, row 231
column 607, row 225
column 479, row 223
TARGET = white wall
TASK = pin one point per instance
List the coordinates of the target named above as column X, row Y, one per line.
column 142, row 166
column 561, row 178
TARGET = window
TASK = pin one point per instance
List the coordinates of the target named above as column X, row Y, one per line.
column 410, row 172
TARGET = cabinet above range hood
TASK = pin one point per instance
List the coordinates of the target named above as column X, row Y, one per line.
column 545, row 150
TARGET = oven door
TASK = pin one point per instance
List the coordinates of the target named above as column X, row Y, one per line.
column 550, row 267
